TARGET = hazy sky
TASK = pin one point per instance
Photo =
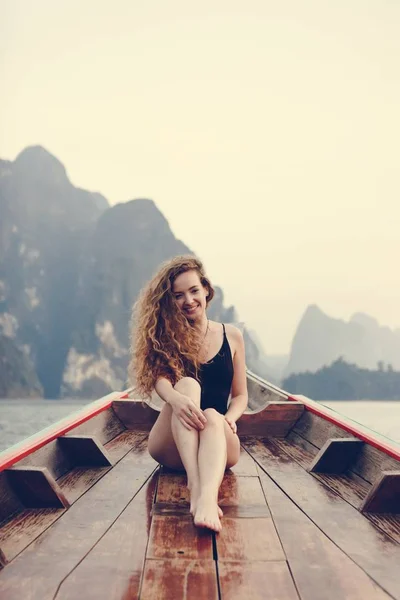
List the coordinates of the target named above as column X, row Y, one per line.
column 266, row 132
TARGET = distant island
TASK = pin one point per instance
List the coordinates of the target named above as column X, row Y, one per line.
column 345, row 381
column 320, row 339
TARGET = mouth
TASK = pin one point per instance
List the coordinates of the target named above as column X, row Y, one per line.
column 191, row 310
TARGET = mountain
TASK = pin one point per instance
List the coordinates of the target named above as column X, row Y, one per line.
column 17, row 376
column 45, row 222
column 320, row 340
column 71, row 267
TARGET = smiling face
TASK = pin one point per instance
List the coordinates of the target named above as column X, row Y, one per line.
column 190, row 295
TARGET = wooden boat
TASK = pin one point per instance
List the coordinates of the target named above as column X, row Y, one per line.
column 311, row 511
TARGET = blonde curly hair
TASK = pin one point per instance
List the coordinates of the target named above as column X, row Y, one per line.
column 163, row 342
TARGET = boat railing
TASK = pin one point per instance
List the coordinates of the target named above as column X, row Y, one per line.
column 360, row 431
column 18, row 451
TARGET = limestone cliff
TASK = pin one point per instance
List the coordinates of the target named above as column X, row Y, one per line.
column 319, row 340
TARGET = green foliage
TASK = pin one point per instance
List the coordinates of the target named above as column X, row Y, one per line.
column 345, row 381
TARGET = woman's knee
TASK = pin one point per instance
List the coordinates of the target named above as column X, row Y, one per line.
column 188, row 385
column 214, row 417
column 188, row 381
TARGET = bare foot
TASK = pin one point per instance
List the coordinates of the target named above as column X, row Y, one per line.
column 194, row 492
column 208, row 514
column 193, row 506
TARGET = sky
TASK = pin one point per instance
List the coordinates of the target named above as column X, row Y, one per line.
column 266, row 132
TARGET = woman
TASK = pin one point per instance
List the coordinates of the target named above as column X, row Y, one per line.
column 193, row 364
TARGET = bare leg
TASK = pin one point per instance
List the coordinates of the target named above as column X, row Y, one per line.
column 187, row 441
column 212, row 461
column 163, row 447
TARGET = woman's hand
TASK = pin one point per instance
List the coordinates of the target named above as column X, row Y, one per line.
column 231, row 423
column 190, row 415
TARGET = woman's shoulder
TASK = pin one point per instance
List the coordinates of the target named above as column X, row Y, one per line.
column 235, row 338
column 233, row 332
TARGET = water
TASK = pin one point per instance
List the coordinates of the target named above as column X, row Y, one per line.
column 382, row 416
column 21, row 418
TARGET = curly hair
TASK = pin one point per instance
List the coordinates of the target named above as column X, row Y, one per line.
column 163, row 343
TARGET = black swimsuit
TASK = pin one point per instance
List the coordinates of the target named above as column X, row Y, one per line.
column 216, row 378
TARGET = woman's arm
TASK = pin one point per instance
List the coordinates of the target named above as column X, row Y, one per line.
column 165, row 390
column 239, row 393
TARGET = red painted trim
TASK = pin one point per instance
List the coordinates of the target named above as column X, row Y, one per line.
column 343, row 423
column 26, row 447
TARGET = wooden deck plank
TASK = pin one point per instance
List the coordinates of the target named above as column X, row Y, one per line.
column 234, row 490
column 349, row 487
column 303, row 453
column 37, row 572
column 369, row 548
column 389, row 524
column 173, row 536
column 245, row 467
column 113, row 568
column 315, row 562
column 246, row 511
column 240, row 491
column 172, row 488
column 248, row 540
column 27, row 524
column 298, row 440
column 123, row 443
column 256, row 580
column 79, row 480
column 179, row 579
column 24, row 528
